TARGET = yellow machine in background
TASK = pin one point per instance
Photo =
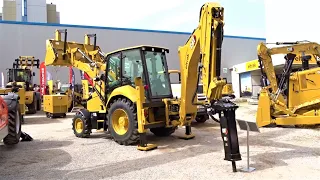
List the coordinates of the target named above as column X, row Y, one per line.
column 295, row 100
column 55, row 105
column 140, row 98
column 22, row 75
column 227, row 91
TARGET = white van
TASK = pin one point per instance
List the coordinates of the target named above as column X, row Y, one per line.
column 175, row 80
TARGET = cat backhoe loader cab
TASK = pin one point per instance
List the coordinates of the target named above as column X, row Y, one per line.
column 140, row 98
column 21, row 73
column 294, row 100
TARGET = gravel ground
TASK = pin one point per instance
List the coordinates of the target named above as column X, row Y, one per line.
column 56, row 153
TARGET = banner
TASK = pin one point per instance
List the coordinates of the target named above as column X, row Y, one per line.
column 43, row 78
column 81, row 75
column 2, row 80
column 72, row 78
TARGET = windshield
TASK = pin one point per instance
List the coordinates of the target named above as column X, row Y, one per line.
column 19, row 75
column 158, row 73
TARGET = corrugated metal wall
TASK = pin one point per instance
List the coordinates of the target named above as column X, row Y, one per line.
column 29, row 39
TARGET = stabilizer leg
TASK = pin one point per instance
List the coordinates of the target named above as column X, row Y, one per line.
column 188, row 134
column 143, row 144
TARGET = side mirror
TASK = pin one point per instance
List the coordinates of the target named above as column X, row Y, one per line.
column 33, row 74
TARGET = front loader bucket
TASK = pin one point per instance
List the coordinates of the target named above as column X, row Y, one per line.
column 263, row 116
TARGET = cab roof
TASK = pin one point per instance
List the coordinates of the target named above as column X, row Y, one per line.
column 139, row 47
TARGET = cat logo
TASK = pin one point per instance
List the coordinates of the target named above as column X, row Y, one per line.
column 193, row 41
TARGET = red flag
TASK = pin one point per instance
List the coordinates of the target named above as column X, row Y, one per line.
column 43, row 78
column 86, row 76
column 70, row 75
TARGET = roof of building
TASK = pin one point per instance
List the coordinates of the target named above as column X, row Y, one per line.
column 116, row 28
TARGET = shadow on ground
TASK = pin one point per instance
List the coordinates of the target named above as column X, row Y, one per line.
column 41, row 118
column 267, row 159
column 35, row 160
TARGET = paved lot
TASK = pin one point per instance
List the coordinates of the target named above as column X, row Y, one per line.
column 56, row 153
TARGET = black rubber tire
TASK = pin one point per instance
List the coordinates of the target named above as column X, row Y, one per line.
column 13, row 137
column 39, row 104
column 162, row 131
column 86, row 131
column 202, row 118
column 132, row 135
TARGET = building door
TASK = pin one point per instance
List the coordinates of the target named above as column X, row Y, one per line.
column 245, row 85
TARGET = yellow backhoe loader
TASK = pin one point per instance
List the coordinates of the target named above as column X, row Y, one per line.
column 140, row 98
column 295, row 99
column 22, row 75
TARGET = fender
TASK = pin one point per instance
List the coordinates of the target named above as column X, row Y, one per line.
column 12, row 101
column 84, row 113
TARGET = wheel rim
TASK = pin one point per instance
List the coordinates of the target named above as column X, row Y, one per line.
column 78, row 125
column 17, row 122
column 120, row 121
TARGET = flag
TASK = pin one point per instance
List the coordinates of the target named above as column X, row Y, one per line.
column 49, row 76
column 82, row 75
column 2, row 80
column 43, row 78
column 72, row 78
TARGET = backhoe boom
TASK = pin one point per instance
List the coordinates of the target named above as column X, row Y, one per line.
column 203, row 50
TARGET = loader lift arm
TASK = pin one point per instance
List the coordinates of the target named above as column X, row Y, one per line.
column 203, row 50
column 86, row 57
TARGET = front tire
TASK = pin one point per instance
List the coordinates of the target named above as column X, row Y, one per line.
column 122, row 122
column 81, row 126
column 14, row 125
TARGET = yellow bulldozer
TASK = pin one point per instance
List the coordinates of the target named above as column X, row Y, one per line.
column 21, row 76
column 294, row 99
column 140, row 98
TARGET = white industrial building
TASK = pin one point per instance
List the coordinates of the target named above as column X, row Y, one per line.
column 30, row 11
column 28, row 39
column 246, row 75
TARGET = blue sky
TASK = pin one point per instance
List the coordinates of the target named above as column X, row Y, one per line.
column 242, row 17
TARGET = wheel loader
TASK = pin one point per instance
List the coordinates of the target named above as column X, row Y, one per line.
column 295, row 98
column 21, row 73
column 140, row 98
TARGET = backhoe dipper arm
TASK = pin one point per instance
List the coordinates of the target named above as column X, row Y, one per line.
column 202, row 50
column 294, row 48
column 201, row 56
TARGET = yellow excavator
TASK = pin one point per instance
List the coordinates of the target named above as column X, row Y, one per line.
column 295, row 98
column 140, row 98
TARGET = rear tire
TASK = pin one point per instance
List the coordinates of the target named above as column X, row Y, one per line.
column 162, row 131
column 202, row 118
column 39, row 104
column 14, row 126
column 126, row 110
